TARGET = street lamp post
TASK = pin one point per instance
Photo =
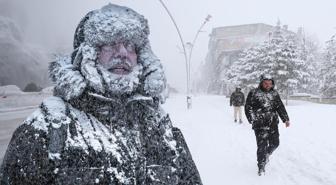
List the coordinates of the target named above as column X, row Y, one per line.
column 207, row 19
column 186, row 58
column 182, row 42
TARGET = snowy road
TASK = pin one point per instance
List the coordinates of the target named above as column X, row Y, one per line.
column 9, row 121
column 225, row 152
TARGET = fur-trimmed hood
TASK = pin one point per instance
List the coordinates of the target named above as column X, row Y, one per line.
column 76, row 74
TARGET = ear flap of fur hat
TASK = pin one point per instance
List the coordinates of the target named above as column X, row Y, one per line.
column 154, row 80
column 69, row 83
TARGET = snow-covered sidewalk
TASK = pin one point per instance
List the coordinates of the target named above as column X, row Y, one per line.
column 225, row 152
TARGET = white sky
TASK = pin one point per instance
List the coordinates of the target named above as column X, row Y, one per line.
column 51, row 24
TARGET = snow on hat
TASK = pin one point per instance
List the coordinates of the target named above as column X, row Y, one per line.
column 265, row 77
column 110, row 24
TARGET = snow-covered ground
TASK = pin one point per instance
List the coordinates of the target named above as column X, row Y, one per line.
column 13, row 99
column 225, row 152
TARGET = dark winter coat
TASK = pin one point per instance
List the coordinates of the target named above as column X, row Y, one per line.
column 263, row 107
column 62, row 145
column 237, row 99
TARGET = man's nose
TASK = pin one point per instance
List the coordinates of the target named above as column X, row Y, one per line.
column 122, row 51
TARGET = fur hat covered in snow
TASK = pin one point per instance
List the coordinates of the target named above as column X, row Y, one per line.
column 110, row 24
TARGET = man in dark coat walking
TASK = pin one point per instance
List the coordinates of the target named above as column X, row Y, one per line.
column 237, row 99
column 262, row 108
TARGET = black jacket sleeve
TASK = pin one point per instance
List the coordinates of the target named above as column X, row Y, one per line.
column 161, row 157
column 281, row 109
column 26, row 159
column 249, row 107
column 188, row 172
column 231, row 99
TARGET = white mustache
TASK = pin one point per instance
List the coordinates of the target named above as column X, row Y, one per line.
column 118, row 63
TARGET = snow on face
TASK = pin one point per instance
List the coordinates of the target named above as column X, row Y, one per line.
column 119, row 58
column 120, row 84
column 267, row 85
column 119, row 68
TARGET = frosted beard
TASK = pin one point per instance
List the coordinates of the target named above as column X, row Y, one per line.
column 118, row 84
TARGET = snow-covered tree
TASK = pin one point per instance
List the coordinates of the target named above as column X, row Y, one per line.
column 328, row 85
column 249, row 67
column 298, row 76
column 279, row 57
column 309, row 52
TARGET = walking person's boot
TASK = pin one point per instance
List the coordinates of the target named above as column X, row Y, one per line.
column 261, row 169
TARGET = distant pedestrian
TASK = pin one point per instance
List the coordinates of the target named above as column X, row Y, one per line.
column 237, row 99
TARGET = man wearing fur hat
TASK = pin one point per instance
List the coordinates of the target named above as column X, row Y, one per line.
column 104, row 124
column 263, row 107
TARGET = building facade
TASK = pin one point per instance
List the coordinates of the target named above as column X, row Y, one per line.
column 225, row 45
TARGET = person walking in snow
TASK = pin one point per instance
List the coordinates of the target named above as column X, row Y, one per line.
column 262, row 108
column 104, row 124
column 237, row 99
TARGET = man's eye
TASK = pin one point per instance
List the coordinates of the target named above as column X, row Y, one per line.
column 106, row 49
column 130, row 47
